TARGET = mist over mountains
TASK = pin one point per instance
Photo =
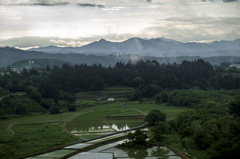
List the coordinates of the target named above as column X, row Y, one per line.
column 108, row 53
column 9, row 56
column 160, row 47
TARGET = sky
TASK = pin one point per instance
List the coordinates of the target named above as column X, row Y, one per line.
column 34, row 23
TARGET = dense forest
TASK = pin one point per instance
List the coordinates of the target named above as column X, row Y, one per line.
column 53, row 87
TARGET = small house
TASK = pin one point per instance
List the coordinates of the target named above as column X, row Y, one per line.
column 110, row 99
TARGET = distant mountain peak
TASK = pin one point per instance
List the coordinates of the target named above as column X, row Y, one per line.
column 51, row 46
column 135, row 38
column 103, row 40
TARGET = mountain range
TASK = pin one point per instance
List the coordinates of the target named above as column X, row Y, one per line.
column 9, row 56
column 159, row 47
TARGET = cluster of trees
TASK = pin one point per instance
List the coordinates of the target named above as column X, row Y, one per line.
column 51, row 85
column 196, row 98
column 214, row 130
column 21, row 94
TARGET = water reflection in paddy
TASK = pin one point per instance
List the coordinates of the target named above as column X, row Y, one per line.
column 99, row 130
column 156, row 152
column 153, row 152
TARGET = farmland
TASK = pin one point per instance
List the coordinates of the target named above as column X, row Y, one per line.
column 28, row 134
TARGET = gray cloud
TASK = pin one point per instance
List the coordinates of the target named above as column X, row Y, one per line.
column 53, row 3
column 90, row 5
column 230, row 0
column 199, row 29
column 47, row 4
column 204, row 20
column 207, row 0
column 36, row 3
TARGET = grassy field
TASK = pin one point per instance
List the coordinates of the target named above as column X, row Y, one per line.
column 23, row 135
column 26, row 134
column 127, row 113
column 170, row 111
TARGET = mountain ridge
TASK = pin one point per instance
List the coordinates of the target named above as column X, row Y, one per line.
column 158, row 47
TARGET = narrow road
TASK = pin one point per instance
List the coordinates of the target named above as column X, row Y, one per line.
column 65, row 123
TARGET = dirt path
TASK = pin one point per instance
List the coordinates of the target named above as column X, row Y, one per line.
column 10, row 126
column 65, row 123
column 137, row 110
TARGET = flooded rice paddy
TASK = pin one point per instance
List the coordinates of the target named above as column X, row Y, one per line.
column 55, row 154
column 94, row 129
column 112, row 150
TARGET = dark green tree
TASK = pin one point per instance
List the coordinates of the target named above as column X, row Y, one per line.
column 159, row 130
column 138, row 137
column 155, row 116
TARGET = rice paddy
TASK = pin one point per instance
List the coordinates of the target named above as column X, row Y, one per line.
column 28, row 134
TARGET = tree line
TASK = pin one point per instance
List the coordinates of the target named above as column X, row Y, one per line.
column 50, row 85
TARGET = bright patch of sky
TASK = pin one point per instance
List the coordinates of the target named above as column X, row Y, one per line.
column 78, row 22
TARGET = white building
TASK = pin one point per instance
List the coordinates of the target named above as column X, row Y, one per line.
column 110, row 99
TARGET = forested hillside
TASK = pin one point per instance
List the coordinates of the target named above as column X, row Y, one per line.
column 49, row 86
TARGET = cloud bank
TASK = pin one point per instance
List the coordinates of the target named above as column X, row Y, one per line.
column 78, row 22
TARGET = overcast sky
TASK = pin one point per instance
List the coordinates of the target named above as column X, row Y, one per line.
column 26, row 23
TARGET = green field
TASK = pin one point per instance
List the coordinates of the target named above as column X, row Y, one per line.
column 27, row 134
column 33, row 133
column 170, row 111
